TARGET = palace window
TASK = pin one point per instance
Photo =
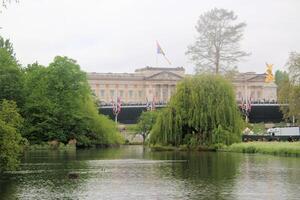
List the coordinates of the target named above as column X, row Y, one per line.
column 258, row 94
column 112, row 93
column 121, row 93
column 130, row 93
column 102, row 93
column 140, row 94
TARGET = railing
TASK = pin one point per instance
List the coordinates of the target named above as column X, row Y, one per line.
column 163, row 104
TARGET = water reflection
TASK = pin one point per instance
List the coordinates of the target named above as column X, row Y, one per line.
column 132, row 172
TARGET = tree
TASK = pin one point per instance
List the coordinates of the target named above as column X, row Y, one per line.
column 281, row 78
column 294, row 68
column 146, row 122
column 10, row 137
column 11, row 76
column 289, row 90
column 59, row 105
column 203, row 111
column 217, row 46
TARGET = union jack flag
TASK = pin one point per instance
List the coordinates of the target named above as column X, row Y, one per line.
column 159, row 49
column 116, row 106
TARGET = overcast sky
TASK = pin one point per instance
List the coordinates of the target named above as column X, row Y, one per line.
column 119, row 36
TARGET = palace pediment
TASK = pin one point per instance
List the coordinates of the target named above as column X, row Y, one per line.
column 257, row 78
column 165, row 75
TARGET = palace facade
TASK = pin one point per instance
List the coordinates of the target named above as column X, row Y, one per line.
column 158, row 84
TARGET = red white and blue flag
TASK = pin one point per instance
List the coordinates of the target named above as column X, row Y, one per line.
column 116, row 106
column 159, row 49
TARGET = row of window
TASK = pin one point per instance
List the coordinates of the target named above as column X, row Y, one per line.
column 252, row 94
column 121, row 93
column 119, row 86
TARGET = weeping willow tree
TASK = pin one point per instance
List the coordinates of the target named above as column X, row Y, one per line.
column 203, row 111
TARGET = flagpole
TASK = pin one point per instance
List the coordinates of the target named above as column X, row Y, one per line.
column 167, row 60
column 116, row 105
column 156, row 60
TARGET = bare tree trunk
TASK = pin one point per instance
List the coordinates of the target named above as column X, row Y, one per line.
column 217, row 61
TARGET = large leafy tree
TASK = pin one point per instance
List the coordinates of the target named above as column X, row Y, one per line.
column 59, row 106
column 289, row 90
column 10, row 137
column 11, row 79
column 217, row 46
column 203, row 111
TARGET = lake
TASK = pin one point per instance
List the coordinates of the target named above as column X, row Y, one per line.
column 132, row 172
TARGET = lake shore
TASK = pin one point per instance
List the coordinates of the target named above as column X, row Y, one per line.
column 273, row 148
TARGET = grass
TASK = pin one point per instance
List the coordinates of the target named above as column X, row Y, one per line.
column 131, row 127
column 158, row 147
column 274, row 148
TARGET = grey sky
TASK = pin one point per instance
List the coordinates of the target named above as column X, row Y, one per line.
column 119, row 36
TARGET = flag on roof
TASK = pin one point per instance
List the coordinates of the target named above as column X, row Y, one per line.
column 159, row 49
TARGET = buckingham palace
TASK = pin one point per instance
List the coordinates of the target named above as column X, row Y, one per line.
column 158, row 84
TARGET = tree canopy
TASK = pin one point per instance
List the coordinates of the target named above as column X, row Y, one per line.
column 203, row 111
column 289, row 88
column 59, row 106
column 11, row 76
column 217, row 46
column 56, row 102
column 10, row 137
column 146, row 122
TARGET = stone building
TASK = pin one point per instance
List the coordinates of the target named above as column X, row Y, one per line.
column 251, row 85
column 158, row 84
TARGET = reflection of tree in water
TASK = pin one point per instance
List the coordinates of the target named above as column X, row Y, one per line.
column 7, row 187
column 45, row 175
column 206, row 174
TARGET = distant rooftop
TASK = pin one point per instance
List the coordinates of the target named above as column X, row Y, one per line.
column 160, row 69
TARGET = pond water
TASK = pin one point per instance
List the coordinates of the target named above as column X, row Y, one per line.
column 132, row 172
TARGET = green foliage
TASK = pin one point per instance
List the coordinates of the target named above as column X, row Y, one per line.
column 203, row 111
column 258, row 128
column 131, row 128
column 11, row 80
column 281, row 77
column 59, row 106
column 56, row 101
column 289, row 89
column 275, row 148
column 10, row 137
column 146, row 122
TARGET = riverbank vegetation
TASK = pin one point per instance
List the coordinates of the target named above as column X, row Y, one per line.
column 10, row 136
column 289, row 89
column 274, row 148
column 202, row 112
column 54, row 102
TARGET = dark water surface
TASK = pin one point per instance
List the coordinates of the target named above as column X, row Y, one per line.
column 131, row 172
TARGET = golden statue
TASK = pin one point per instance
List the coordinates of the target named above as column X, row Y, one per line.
column 269, row 76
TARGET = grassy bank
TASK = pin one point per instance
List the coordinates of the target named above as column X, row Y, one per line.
column 274, row 148
column 181, row 148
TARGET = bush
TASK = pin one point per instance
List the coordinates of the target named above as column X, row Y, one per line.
column 10, row 137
